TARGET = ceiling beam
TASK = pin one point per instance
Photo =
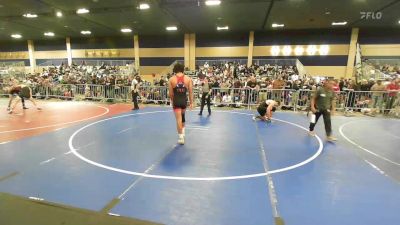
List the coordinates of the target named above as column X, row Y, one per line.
column 31, row 27
column 267, row 14
column 85, row 18
column 159, row 3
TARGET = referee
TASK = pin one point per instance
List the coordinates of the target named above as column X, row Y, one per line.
column 135, row 92
column 322, row 103
column 205, row 96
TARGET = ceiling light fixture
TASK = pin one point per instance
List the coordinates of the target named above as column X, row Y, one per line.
column 274, row 25
column 311, row 49
column 275, row 50
column 126, row 30
column 17, row 36
column 82, row 11
column 223, row 28
column 86, row 32
column 213, row 2
column 171, row 28
column 49, row 34
column 28, row 15
column 299, row 50
column 287, row 50
column 143, row 6
column 339, row 23
column 324, row 49
column 59, row 14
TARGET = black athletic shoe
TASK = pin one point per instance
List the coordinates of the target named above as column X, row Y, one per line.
column 25, row 107
column 200, row 114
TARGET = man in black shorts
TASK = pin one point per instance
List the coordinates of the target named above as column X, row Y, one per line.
column 179, row 85
column 265, row 110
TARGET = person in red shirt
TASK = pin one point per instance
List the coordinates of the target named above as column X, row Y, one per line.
column 393, row 88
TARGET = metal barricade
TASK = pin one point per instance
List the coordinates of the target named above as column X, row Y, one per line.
column 392, row 104
column 154, row 94
column 303, row 101
column 40, row 91
column 372, row 101
column 387, row 102
column 61, row 91
column 225, row 97
column 124, row 93
column 357, row 100
column 287, row 97
column 92, row 92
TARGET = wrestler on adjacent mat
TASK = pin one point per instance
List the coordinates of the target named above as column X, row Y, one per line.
column 23, row 92
column 13, row 93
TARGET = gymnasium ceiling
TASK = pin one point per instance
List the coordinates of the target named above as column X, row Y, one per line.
column 107, row 17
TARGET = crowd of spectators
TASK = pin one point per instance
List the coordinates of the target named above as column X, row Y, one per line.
column 234, row 84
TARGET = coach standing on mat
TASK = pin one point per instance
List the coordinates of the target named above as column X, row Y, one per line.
column 205, row 96
column 178, row 86
column 322, row 103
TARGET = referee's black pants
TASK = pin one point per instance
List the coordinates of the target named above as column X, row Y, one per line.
column 205, row 97
column 327, row 121
column 135, row 96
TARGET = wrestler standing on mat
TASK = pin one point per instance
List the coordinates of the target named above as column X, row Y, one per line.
column 179, row 85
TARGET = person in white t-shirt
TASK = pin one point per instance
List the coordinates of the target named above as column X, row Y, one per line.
column 135, row 92
column 226, row 100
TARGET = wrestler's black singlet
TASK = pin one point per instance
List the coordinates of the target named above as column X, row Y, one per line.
column 180, row 90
